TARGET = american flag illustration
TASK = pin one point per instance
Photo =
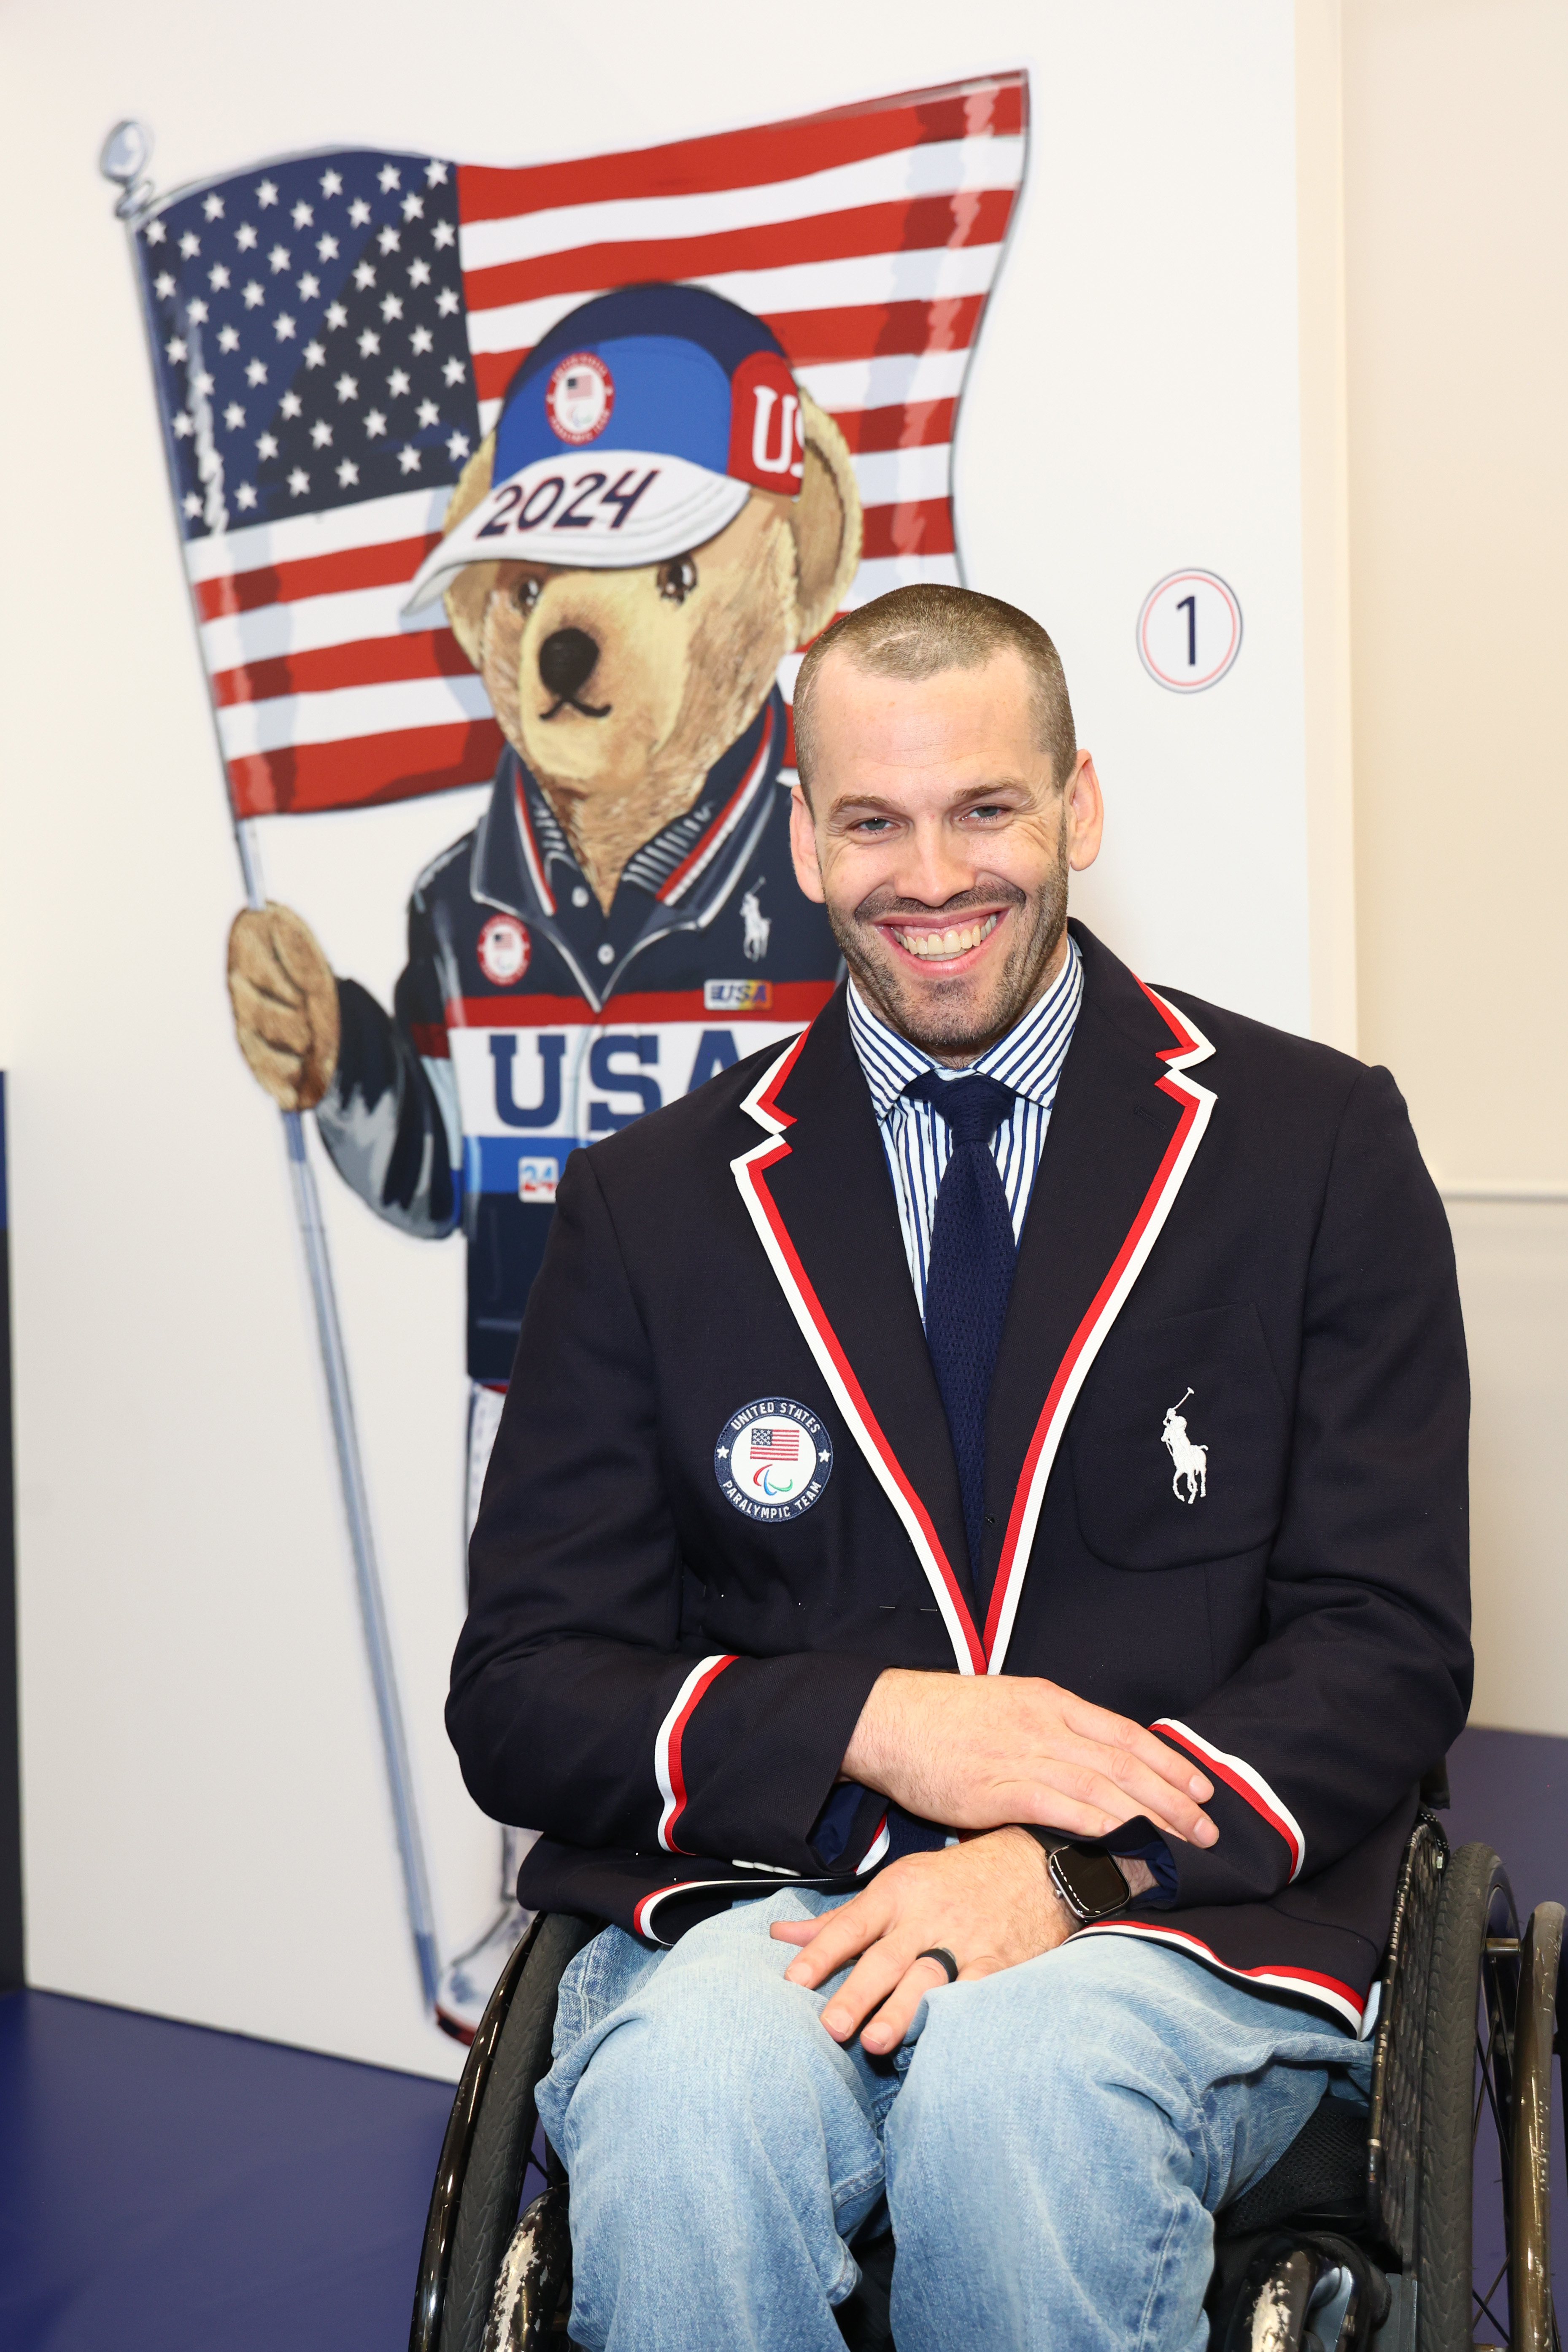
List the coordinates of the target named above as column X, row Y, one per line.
column 334, row 335
column 774, row 1445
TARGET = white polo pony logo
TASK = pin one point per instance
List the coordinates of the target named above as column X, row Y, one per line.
column 1190, row 1462
column 757, row 924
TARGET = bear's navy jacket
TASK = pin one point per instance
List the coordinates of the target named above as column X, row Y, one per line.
column 527, row 1020
column 1223, row 1214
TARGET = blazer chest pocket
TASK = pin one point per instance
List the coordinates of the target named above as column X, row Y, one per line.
column 1178, row 1441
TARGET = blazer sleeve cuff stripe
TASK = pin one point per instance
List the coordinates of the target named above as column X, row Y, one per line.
column 875, row 1852
column 1249, row 1784
column 666, row 1765
column 1307, row 1984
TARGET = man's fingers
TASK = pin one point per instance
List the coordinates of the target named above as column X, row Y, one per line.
column 1099, row 1802
column 869, row 1983
column 1118, row 1732
column 896, row 2014
column 793, row 1931
column 839, row 1935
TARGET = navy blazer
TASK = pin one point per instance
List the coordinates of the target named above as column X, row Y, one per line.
column 1226, row 1217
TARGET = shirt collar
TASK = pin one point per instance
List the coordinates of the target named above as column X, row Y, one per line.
column 1028, row 1059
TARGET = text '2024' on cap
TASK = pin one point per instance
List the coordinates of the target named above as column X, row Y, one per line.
column 633, row 432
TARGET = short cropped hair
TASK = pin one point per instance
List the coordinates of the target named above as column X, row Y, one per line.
column 916, row 632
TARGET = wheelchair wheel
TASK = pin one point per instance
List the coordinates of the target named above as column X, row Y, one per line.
column 478, row 2185
column 1537, row 2035
column 1484, row 2252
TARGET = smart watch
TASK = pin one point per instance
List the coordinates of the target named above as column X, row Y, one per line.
column 1088, row 1882
column 1086, row 1878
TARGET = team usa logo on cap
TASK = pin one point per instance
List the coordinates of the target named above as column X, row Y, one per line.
column 580, row 397
column 772, row 1459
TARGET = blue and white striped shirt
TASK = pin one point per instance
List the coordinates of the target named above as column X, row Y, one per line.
column 917, row 1138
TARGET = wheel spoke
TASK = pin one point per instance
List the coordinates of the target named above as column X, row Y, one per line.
column 1487, row 2095
column 1484, row 2301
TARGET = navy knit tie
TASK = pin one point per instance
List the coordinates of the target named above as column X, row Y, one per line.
column 969, row 1276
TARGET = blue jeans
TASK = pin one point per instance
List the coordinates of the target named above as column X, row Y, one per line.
column 1049, row 2145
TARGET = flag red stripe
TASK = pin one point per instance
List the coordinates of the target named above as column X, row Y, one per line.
column 813, row 338
column 313, row 575
column 367, row 770
column 792, row 999
column 914, row 425
column 368, row 661
column 907, row 226
column 744, row 159
column 918, row 527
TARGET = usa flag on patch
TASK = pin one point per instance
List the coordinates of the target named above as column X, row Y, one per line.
column 775, row 1445
column 334, row 334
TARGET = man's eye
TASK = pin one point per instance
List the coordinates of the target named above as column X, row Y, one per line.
column 873, row 825
column 987, row 811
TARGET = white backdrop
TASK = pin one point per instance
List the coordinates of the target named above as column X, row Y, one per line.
column 207, row 1829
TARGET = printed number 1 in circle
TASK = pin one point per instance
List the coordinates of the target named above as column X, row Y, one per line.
column 1189, row 605
column 1189, row 630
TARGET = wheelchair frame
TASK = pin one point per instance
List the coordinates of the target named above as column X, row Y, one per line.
column 1468, row 2025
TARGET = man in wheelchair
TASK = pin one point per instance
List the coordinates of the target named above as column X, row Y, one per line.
column 971, row 1573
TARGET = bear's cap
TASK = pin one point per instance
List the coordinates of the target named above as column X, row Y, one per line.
column 634, row 431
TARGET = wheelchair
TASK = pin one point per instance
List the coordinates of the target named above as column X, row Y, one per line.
column 1420, row 2225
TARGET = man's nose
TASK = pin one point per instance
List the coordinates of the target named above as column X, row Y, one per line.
column 566, row 662
column 933, row 867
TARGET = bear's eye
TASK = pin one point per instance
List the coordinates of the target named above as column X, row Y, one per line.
column 525, row 596
column 678, row 579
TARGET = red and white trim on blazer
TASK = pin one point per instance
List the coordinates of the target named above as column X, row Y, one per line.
column 974, row 1651
column 667, row 1766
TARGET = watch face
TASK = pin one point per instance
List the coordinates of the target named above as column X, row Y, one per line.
column 1092, row 1877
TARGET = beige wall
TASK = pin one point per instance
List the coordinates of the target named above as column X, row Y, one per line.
column 1456, row 207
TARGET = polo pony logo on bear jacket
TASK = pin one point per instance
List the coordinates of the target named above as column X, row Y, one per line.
column 1190, row 1463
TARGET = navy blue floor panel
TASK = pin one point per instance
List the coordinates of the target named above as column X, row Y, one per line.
column 1511, row 1790
column 164, row 2189
column 167, row 2190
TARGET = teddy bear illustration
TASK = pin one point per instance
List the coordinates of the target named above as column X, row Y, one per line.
column 660, row 516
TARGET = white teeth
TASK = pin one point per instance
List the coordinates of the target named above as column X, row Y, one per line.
column 934, row 945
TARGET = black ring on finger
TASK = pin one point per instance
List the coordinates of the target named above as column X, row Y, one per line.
column 943, row 1959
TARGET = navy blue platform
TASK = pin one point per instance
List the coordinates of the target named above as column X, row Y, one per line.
column 167, row 2190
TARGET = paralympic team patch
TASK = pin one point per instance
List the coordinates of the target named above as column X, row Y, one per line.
column 772, row 1459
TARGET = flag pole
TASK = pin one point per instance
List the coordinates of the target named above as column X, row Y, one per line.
column 123, row 159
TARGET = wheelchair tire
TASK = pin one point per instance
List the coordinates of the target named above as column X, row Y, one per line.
column 1532, row 2324
column 1466, row 2079
column 503, row 2134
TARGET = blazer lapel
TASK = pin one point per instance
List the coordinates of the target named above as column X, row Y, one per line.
column 1125, row 1127
column 818, row 1189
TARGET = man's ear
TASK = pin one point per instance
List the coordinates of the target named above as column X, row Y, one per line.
column 470, row 590
column 803, row 847
column 826, row 523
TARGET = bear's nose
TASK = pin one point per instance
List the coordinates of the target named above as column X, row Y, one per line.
column 566, row 662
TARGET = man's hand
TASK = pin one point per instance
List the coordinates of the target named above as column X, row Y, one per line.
column 975, row 1751
column 285, row 1006
column 989, row 1901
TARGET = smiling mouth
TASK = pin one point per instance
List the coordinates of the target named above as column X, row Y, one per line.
column 570, row 702
column 945, row 947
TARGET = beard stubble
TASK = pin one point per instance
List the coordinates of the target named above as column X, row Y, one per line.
column 956, row 1024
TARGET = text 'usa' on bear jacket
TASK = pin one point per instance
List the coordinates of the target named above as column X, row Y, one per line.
column 663, row 1674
